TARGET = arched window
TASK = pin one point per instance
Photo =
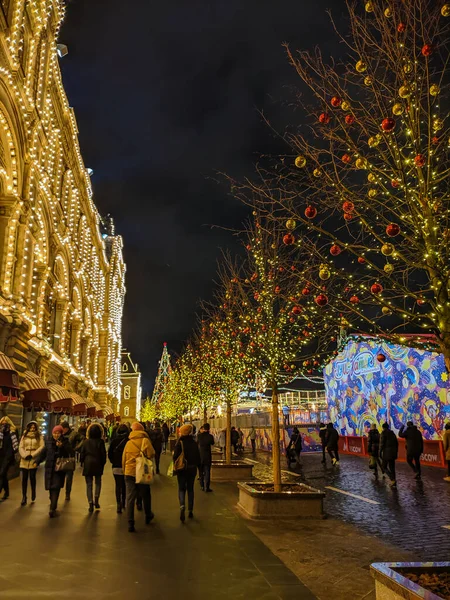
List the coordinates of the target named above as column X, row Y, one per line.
column 124, row 367
column 126, row 411
column 127, row 392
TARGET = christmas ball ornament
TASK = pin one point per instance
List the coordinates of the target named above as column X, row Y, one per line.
column 427, row 50
column 336, row 101
column 386, row 310
column 348, row 206
column 348, row 216
column 297, row 310
column 291, row 224
column 368, row 80
column 369, row 7
column 381, row 357
column 393, row 229
column 324, row 118
column 361, row 260
column 288, row 239
column 445, row 10
column 388, row 269
column 401, row 27
column 371, row 177
column 435, row 90
column 346, row 158
column 335, row 250
column 397, row 109
column 435, row 140
column 388, row 13
column 421, row 301
column 372, row 193
column 300, row 162
column 317, row 172
column 387, row 249
column 404, row 91
column 361, row 163
column 345, row 105
column 376, row 288
column 324, row 273
column 350, row 119
column 305, row 291
column 321, row 300
column 354, row 299
column 277, row 289
column 407, row 67
column 419, row 160
column 438, row 124
column 361, row 66
column 388, row 124
column 395, row 183
column 374, row 141
column 310, row 212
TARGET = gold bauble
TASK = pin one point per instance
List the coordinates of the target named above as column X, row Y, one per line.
column 386, row 310
column 388, row 13
column 372, row 193
column 361, row 66
column 371, row 177
column 300, row 162
column 387, row 249
column 369, row 7
column 345, row 105
column 438, row 124
column 397, row 109
column 317, row 172
column 434, row 89
column 361, row 163
column 404, row 91
column 388, row 268
column 407, row 67
column 324, row 274
column 291, row 224
column 445, row 10
column 368, row 80
column 374, row 141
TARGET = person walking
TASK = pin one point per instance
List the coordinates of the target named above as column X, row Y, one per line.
column 252, row 436
column 186, row 477
column 30, row 447
column 166, row 435
column 414, row 446
column 446, row 441
column 332, row 441
column 138, row 443
column 56, row 447
column 389, row 452
column 9, row 446
column 374, row 449
column 205, row 443
column 234, row 439
column 71, row 436
column 323, row 441
column 223, row 440
column 157, row 440
column 93, row 458
column 295, row 446
column 241, row 440
column 115, row 454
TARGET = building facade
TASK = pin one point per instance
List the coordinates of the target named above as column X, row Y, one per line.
column 62, row 274
column 130, row 405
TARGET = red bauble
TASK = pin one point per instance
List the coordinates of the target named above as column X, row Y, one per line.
column 350, row 119
column 346, row 158
column 305, row 291
column 277, row 289
column 381, row 357
column 427, row 50
column 348, row 206
column 310, row 212
column 420, row 160
column 297, row 310
column 336, row 101
column 256, row 296
column 421, row 301
column 348, row 216
column 354, row 299
column 335, row 250
column 321, row 300
column 376, row 288
column 361, row 260
column 393, row 229
column 388, row 124
column 435, row 140
column 324, row 118
column 288, row 239
column 395, row 183
column 401, row 27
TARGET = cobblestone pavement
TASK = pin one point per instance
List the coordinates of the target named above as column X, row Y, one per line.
column 413, row 517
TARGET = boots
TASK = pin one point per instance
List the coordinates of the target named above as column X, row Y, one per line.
column 97, row 505
column 91, row 507
column 119, row 508
column 182, row 514
column 24, row 501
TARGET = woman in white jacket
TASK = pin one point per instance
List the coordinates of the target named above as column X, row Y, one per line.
column 31, row 445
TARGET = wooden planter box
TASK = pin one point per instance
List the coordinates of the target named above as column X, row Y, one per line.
column 391, row 584
column 238, row 470
column 306, row 503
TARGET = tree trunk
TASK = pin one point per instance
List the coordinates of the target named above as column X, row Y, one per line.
column 275, row 437
column 228, row 438
column 205, row 414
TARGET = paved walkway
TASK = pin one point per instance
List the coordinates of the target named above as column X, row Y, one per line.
column 94, row 557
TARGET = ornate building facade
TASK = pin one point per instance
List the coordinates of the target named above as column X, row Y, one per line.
column 130, row 406
column 62, row 278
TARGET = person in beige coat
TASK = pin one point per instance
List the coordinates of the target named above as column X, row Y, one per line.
column 447, row 449
column 138, row 442
column 30, row 447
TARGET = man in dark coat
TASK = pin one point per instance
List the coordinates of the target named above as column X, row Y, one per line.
column 9, row 446
column 374, row 448
column 234, row 439
column 414, row 446
column 295, row 446
column 332, row 441
column 323, row 439
column 389, row 452
column 157, row 439
column 166, row 434
column 205, row 443
column 93, row 457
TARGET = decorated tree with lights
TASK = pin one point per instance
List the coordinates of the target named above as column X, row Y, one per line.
column 162, row 376
column 149, row 410
column 365, row 182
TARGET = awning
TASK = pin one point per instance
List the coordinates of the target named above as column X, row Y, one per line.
column 118, row 418
column 105, row 413
column 36, row 393
column 61, row 399
column 84, row 407
column 9, row 380
column 98, row 411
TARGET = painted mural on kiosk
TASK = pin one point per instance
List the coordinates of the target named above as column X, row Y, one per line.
column 410, row 385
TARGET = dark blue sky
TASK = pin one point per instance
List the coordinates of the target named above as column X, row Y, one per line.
column 166, row 95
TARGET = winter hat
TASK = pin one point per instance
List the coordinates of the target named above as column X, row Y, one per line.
column 185, row 430
column 122, row 429
column 57, row 428
column 137, row 427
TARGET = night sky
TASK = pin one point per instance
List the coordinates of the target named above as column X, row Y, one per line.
column 166, row 95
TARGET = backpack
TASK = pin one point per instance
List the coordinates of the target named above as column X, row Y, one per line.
column 180, row 464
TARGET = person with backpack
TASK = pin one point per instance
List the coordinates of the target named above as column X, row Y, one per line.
column 138, row 444
column 374, row 450
column 93, row 458
column 332, row 441
column 389, row 452
column 115, row 454
column 414, row 446
column 186, row 461
column 205, row 443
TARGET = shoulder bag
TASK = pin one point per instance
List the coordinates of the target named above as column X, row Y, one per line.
column 180, row 464
column 144, row 468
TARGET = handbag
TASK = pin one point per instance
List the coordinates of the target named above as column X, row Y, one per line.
column 180, row 464
column 144, row 469
column 65, row 464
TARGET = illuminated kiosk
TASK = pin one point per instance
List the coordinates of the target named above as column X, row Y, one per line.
column 375, row 381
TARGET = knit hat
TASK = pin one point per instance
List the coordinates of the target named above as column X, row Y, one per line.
column 185, row 430
column 137, row 427
column 57, row 428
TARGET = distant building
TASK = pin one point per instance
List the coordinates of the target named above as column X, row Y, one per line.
column 130, row 404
